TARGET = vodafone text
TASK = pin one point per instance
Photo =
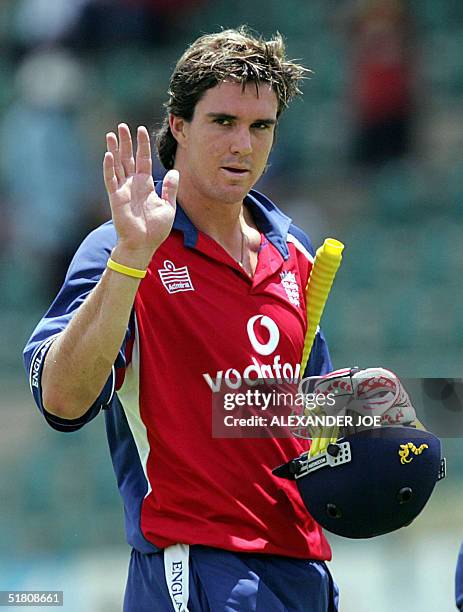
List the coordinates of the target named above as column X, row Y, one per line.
column 254, row 374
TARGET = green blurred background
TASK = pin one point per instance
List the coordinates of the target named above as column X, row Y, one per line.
column 371, row 155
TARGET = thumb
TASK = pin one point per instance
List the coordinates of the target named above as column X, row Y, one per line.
column 170, row 187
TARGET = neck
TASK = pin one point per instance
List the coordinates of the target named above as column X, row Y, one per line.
column 230, row 224
column 220, row 220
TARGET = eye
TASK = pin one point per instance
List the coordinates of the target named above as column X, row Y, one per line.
column 261, row 126
column 223, row 121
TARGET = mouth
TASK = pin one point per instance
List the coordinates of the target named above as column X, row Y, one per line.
column 236, row 171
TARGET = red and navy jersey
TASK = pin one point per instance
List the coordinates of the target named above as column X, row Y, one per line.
column 199, row 324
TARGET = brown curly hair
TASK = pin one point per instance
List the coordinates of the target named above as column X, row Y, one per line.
column 229, row 55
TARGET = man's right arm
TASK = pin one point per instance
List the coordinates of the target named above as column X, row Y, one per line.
column 80, row 359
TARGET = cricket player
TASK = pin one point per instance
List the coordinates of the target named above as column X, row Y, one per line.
column 194, row 283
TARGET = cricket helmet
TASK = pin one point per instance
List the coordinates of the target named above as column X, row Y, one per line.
column 369, row 483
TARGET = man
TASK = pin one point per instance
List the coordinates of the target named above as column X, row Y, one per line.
column 192, row 283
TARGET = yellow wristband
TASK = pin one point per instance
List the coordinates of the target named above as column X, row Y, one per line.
column 117, row 267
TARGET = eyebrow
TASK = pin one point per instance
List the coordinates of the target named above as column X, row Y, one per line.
column 234, row 117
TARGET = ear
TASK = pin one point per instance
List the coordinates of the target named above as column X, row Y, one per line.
column 179, row 128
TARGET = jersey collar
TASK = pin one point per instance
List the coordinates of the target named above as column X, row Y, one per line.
column 269, row 219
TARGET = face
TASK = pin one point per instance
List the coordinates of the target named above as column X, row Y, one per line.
column 223, row 150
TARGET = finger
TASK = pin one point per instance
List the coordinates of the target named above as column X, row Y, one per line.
column 143, row 161
column 109, row 174
column 125, row 149
column 113, row 147
column 170, row 187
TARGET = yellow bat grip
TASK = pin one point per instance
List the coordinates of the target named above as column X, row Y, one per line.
column 327, row 261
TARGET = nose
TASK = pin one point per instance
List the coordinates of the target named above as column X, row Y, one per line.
column 241, row 141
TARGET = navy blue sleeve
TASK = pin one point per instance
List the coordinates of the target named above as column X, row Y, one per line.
column 319, row 362
column 83, row 274
column 459, row 581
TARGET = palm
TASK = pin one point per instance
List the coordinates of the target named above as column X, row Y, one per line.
column 142, row 219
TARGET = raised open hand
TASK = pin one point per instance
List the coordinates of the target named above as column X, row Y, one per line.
column 142, row 219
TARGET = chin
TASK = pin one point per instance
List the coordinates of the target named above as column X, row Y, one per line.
column 240, row 188
column 232, row 196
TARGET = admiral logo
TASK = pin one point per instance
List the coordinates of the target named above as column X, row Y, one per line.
column 175, row 279
column 289, row 282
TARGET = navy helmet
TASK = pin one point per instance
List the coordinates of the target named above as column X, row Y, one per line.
column 369, row 483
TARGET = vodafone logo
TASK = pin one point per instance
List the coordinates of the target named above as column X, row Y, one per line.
column 264, row 336
column 268, row 347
